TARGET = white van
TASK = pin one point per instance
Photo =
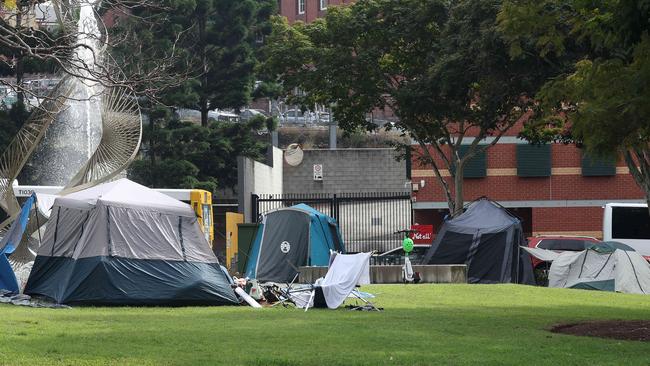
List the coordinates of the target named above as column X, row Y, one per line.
column 628, row 223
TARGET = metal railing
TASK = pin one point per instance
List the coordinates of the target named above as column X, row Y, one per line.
column 367, row 221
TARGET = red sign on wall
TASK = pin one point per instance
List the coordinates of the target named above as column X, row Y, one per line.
column 424, row 234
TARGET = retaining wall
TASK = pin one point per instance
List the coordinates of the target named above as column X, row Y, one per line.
column 454, row 273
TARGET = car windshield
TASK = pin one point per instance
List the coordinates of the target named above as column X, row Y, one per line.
column 564, row 244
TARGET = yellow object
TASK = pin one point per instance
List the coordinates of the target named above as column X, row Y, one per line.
column 232, row 246
column 10, row 4
column 201, row 202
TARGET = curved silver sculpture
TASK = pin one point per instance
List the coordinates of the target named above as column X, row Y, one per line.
column 122, row 133
column 121, row 126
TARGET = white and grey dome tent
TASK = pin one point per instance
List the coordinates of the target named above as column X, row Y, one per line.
column 122, row 243
column 606, row 266
column 486, row 237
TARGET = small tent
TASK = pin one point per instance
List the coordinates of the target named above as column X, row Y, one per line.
column 486, row 237
column 121, row 243
column 608, row 266
column 289, row 238
column 10, row 241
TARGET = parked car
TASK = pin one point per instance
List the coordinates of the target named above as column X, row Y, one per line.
column 323, row 117
column 247, row 114
column 293, row 116
column 558, row 243
column 396, row 255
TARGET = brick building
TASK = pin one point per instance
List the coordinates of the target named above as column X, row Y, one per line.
column 306, row 10
column 554, row 188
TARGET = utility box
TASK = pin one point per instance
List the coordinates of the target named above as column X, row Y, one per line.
column 232, row 239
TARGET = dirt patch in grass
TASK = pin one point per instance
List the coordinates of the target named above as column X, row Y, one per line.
column 630, row 330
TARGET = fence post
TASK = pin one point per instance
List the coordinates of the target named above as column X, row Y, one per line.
column 255, row 207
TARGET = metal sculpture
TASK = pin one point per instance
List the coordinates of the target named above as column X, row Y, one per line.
column 121, row 128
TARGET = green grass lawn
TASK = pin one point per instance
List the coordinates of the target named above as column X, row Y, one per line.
column 421, row 325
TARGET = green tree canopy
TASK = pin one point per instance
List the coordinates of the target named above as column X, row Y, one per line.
column 206, row 47
column 186, row 155
column 441, row 66
column 603, row 101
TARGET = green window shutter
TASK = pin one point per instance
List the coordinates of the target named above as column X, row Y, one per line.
column 598, row 166
column 534, row 160
column 475, row 167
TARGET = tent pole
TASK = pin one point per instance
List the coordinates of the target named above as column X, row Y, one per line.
column 518, row 259
column 108, row 231
column 38, row 224
column 56, row 229
column 180, row 237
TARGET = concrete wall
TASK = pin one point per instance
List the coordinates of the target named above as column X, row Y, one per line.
column 256, row 177
column 347, row 170
column 452, row 273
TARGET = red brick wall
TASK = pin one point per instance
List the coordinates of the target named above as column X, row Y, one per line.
column 261, row 104
column 539, row 220
column 578, row 220
column 289, row 9
column 566, row 183
column 509, row 187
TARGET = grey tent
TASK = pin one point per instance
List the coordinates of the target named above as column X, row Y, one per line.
column 608, row 266
column 486, row 237
column 121, row 243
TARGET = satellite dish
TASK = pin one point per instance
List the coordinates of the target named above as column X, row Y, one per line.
column 293, row 155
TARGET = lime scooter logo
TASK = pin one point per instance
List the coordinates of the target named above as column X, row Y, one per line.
column 285, row 247
column 407, row 245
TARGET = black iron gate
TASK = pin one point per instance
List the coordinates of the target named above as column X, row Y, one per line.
column 367, row 221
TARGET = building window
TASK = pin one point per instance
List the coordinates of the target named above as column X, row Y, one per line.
column 259, row 38
column 534, row 160
column 301, row 6
column 598, row 166
column 323, row 4
column 476, row 166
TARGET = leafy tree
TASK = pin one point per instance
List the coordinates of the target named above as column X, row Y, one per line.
column 185, row 155
column 10, row 122
column 441, row 66
column 208, row 48
column 603, row 101
column 211, row 44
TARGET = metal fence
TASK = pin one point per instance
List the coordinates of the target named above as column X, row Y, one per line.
column 367, row 221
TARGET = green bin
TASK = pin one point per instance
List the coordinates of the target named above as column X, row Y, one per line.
column 246, row 235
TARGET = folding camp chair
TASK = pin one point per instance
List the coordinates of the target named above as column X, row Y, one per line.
column 345, row 273
column 284, row 294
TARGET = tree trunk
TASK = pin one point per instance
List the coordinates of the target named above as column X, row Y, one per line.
column 459, row 200
column 639, row 167
column 203, row 103
column 152, row 149
column 437, row 173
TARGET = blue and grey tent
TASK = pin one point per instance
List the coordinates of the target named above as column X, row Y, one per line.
column 8, row 245
column 121, row 243
column 289, row 238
